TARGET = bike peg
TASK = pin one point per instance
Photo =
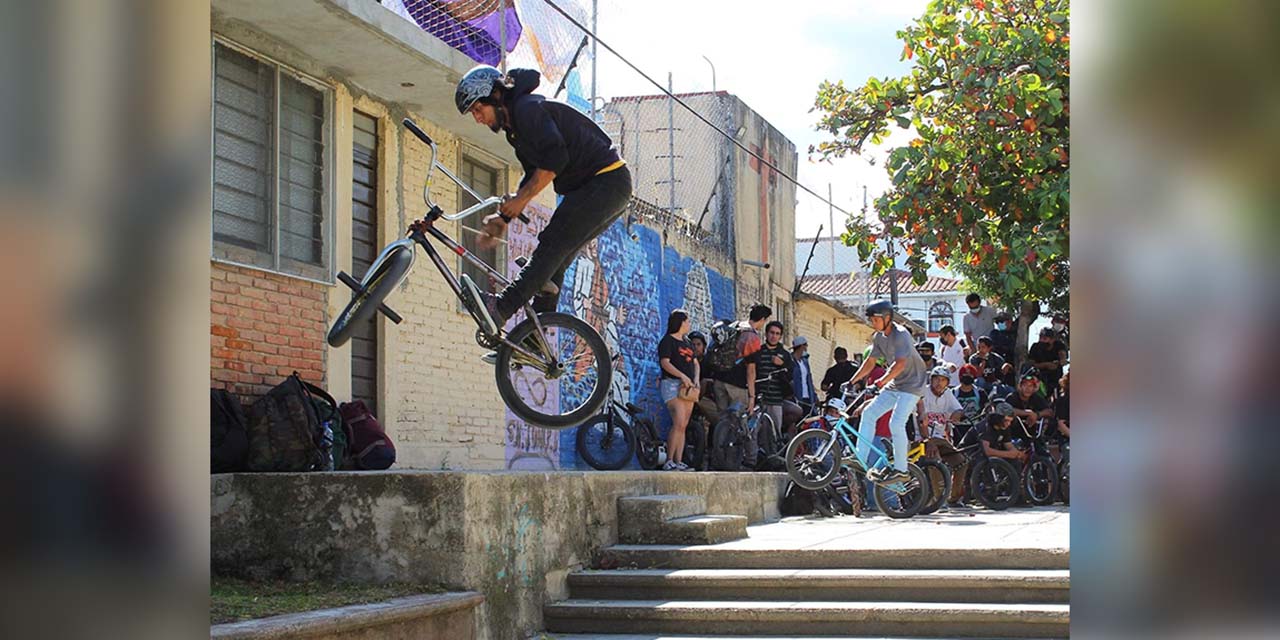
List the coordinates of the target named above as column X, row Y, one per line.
column 382, row 307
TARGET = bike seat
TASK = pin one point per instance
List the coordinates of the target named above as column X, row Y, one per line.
column 632, row 408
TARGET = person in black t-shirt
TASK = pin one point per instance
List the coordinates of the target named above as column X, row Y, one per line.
column 1047, row 356
column 838, row 373
column 1029, row 405
column 989, row 363
column 997, row 437
column 679, row 378
column 706, row 401
column 1062, row 408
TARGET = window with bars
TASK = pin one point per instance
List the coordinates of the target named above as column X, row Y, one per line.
column 940, row 313
column 270, row 167
column 486, row 181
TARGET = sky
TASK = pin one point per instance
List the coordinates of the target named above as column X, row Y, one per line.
column 772, row 56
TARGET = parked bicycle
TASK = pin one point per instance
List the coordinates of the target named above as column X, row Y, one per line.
column 553, row 369
column 1040, row 474
column 730, row 446
column 814, row 458
column 609, row 440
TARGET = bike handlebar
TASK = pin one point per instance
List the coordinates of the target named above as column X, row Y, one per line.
column 487, row 202
column 413, row 128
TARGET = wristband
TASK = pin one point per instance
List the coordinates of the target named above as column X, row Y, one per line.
column 505, row 218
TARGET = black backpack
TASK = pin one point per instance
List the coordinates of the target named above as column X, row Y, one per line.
column 797, row 501
column 731, row 443
column 722, row 355
column 286, row 432
column 229, row 442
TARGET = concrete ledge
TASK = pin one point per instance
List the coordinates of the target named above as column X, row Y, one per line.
column 726, row 557
column 512, row 536
column 446, row 616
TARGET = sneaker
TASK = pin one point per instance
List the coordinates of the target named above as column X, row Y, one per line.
column 891, row 476
column 670, row 466
column 486, row 304
column 680, row 466
column 490, row 358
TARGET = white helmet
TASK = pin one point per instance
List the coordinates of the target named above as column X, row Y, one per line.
column 837, row 404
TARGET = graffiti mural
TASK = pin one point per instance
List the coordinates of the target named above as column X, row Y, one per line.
column 529, row 447
column 624, row 288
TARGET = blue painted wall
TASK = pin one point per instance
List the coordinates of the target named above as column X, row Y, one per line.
column 626, row 288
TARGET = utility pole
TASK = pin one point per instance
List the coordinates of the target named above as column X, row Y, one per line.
column 671, row 145
column 595, row 10
column 831, row 215
column 502, row 37
column 893, row 261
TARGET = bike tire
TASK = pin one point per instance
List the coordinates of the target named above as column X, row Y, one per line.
column 905, row 505
column 939, row 476
column 1040, row 481
column 804, row 468
column 695, row 443
column 362, row 307
column 648, row 445
column 584, row 336
column 1064, row 482
column 727, row 452
column 995, row 483
column 825, row 502
column 591, row 444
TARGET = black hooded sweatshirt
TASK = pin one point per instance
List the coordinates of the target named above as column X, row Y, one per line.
column 553, row 136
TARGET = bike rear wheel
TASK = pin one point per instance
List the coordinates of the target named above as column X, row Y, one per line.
column 389, row 272
column 995, row 483
column 606, row 443
column 1040, row 481
column 566, row 396
column 807, row 465
column 1064, row 482
column 906, row 504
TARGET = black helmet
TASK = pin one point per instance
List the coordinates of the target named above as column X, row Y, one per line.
column 697, row 335
column 879, row 308
column 476, row 84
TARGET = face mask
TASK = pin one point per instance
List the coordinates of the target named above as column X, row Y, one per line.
column 1001, row 325
column 1057, row 326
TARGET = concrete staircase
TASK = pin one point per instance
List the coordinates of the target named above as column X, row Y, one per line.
column 667, row 591
column 675, row 520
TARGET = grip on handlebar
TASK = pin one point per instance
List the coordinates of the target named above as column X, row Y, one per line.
column 523, row 218
column 413, row 128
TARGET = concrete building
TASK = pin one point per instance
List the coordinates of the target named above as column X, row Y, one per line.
column 746, row 209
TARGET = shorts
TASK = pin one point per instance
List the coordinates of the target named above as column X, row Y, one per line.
column 669, row 389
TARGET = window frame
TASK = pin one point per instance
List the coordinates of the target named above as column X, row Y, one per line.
column 227, row 254
column 471, row 154
column 949, row 319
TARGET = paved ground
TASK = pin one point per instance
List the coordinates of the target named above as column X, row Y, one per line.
column 1036, row 527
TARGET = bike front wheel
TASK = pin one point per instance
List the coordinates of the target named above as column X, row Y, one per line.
column 605, row 443
column 1040, row 481
column 903, row 499
column 813, row 459
column 364, row 304
column 559, row 396
column 995, row 483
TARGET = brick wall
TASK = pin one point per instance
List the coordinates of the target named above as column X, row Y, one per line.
column 263, row 327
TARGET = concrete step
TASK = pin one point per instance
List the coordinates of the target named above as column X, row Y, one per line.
column 790, row 618
column 695, row 530
column 659, row 508
column 742, row 556
column 920, row 585
column 448, row 616
column 664, row 636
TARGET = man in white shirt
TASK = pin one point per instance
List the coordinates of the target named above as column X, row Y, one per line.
column 980, row 320
column 954, row 351
column 938, row 409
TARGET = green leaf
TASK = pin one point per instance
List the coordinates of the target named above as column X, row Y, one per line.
column 903, row 122
column 1058, row 17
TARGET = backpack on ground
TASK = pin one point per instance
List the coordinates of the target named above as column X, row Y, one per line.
column 722, row 355
column 229, row 440
column 797, row 501
column 368, row 446
column 285, row 431
column 333, row 432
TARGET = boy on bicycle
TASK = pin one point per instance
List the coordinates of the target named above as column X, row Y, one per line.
column 556, row 145
column 902, row 387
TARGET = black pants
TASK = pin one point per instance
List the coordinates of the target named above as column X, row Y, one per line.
column 581, row 216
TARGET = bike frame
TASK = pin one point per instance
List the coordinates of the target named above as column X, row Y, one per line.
column 418, row 233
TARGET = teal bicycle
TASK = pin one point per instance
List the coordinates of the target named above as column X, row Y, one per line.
column 816, row 456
